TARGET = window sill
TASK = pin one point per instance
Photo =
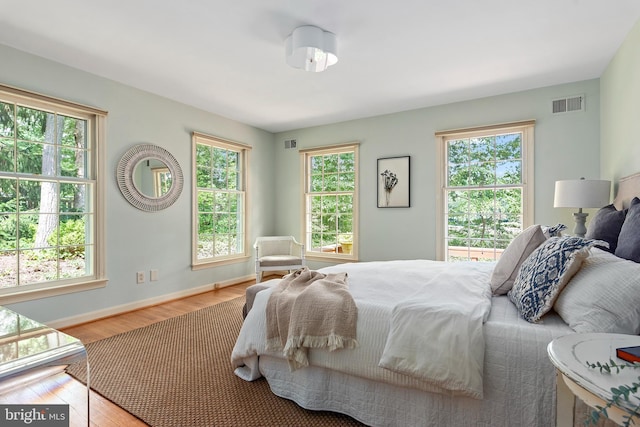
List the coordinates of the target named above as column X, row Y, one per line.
column 226, row 261
column 28, row 293
column 314, row 256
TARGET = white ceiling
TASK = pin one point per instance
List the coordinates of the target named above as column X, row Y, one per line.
column 227, row 56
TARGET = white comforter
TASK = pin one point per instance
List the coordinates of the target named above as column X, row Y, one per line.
column 419, row 325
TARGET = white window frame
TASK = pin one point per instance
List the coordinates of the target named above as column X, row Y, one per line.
column 244, row 150
column 527, row 130
column 96, row 137
column 305, row 159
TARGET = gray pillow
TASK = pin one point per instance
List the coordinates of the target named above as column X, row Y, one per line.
column 629, row 238
column 606, row 225
column 508, row 264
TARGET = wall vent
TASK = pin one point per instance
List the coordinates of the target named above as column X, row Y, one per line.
column 568, row 104
column 290, row 143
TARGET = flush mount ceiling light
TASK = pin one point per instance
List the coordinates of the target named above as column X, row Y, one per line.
column 311, row 48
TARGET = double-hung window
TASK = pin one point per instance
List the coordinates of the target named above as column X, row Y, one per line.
column 220, row 200
column 51, row 197
column 486, row 181
column 331, row 201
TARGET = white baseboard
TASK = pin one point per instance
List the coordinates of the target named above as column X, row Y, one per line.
column 136, row 305
column 234, row 281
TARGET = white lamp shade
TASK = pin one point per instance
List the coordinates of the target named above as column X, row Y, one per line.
column 582, row 193
column 311, row 49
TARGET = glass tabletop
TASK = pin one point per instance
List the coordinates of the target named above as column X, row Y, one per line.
column 31, row 352
column 26, row 344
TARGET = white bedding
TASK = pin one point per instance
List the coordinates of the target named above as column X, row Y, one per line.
column 518, row 379
column 437, row 336
column 381, row 289
column 519, row 383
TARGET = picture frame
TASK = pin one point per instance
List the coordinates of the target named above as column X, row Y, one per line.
column 394, row 182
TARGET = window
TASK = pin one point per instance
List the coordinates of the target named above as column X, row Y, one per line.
column 487, row 193
column 220, row 195
column 161, row 181
column 331, row 201
column 51, row 197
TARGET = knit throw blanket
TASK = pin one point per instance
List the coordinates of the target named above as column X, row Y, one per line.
column 309, row 309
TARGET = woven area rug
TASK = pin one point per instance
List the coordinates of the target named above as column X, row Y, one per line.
column 178, row 373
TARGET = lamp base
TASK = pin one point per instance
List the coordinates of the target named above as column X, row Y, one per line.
column 580, row 218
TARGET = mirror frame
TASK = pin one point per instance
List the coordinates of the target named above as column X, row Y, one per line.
column 125, row 171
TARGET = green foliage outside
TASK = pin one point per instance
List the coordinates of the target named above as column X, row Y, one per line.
column 332, row 186
column 484, row 200
column 220, row 202
column 72, row 238
column 39, row 153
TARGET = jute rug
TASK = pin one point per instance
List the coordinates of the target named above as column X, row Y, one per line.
column 177, row 373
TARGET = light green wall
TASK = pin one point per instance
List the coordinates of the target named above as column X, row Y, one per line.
column 139, row 241
column 566, row 146
column 620, row 110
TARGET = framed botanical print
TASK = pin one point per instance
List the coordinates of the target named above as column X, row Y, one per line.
column 393, row 182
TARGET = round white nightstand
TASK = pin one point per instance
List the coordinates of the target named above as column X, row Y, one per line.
column 570, row 355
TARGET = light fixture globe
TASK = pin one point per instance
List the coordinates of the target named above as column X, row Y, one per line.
column 311, row 49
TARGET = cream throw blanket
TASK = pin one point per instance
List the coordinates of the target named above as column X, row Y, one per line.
column 308, row 309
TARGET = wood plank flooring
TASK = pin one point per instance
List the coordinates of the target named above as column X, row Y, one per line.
column 61, row 388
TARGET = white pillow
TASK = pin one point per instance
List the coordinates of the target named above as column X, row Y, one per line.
column 509, row 263
column 604, row 296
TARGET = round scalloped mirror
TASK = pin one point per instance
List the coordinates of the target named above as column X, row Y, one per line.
column 149, row 177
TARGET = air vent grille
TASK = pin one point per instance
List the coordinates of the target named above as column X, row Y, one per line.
column 290, row 143
column 568, row 104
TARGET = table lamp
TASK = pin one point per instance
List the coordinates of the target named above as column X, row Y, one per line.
column 581, row 193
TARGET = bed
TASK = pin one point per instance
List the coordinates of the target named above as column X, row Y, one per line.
column 517, row 380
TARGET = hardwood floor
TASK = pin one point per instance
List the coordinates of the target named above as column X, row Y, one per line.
column 61, row 388
column 110, row 326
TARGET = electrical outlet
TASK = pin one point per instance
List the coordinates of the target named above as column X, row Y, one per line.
column 140, row 276
column 153, row 275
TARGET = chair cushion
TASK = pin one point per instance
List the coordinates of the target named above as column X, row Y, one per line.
column 279, row 260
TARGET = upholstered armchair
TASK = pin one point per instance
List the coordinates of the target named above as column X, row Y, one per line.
column 277, row 253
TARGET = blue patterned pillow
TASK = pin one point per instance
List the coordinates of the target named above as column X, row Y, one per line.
column 554, row 231
column 545, row 272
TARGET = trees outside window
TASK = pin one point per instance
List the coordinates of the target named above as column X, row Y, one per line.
column 486, row 201
column 220, row 199
column 331, row 201
column 49, row 222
